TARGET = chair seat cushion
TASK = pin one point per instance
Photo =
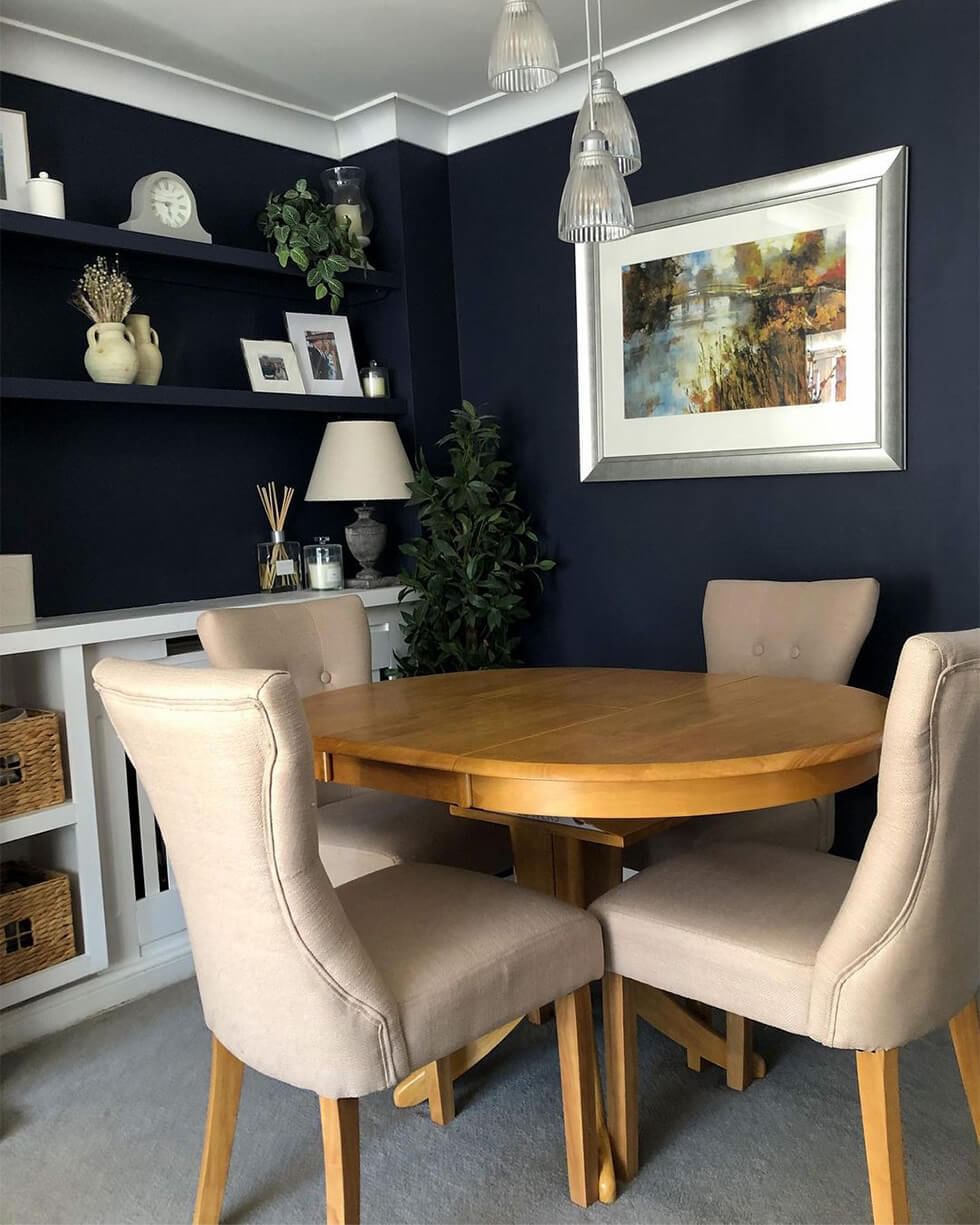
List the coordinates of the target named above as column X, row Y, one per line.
column 807, row 825
column 463, row 953
column 736, row 925
column 370, row 830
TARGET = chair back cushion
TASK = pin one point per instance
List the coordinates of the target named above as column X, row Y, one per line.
column 902, row 955
column 225, row 758
column 322, row 644
column 788, row 629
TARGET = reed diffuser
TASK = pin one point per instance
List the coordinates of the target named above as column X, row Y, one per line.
column 280, row 560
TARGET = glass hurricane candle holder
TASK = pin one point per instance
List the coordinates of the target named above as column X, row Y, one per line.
column 345, row 187
column 280, row 564
column 324, row 565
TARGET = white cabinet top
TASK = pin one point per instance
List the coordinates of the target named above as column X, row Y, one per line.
column 156, row 620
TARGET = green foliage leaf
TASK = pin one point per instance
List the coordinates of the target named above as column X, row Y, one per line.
column 303, row 230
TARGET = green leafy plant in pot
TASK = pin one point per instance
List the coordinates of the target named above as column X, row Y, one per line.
column 477, row 561
column 303, row 230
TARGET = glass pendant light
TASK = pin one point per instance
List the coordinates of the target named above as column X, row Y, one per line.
column 611, row 114
column 595, row 205
column 523, row 55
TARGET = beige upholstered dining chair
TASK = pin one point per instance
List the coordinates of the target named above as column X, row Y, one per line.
column 338, row 991
column 864, row 956
column 325, row 644
column 813, row 630
column 809, row 629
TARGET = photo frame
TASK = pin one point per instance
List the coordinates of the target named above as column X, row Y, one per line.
column 15, row 160
column 272, row 366
column 750, row 330
column 325, row 354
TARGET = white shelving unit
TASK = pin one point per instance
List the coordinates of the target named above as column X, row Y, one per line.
column 41, row 822
column 129, row 924
column 66, row 836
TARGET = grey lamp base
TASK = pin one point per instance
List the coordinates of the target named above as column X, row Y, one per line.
column 368, row 584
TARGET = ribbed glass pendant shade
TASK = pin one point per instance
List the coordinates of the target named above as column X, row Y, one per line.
column 612, row 117
column 595, row 205
column 523, row 55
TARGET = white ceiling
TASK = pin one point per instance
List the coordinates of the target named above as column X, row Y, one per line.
column 333, row 56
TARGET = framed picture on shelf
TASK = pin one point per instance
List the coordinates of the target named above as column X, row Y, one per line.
column 15, row 161
column 750, row 330
column 272, row 366
column 325, row 354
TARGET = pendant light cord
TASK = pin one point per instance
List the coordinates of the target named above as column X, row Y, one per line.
column 588, row 52
column 598, row 12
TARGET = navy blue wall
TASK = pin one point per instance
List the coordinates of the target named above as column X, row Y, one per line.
column 634, row 557
column 120, row 505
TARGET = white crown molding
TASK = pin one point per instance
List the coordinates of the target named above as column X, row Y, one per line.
column 29, row 51
column 729, row 30
column 725, row 32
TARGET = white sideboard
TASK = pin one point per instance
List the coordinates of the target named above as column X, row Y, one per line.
column 129, row 926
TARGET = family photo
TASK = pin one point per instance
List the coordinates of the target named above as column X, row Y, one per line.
column 321, row 348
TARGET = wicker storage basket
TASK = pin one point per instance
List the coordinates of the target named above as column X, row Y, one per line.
column 36, row 928
column 31, row 775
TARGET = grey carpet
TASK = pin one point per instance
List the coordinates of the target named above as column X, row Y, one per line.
column 103, row 1124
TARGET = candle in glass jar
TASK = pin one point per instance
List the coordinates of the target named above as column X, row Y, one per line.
column 324, row 565
column 352, row 213
column 374, row 381
column 325, row 575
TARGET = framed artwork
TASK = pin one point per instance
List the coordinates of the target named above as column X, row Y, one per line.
column 15, row 161
column 272, row 366
column 325, row 354
column 749, row 330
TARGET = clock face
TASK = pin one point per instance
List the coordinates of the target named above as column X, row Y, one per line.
column 171, row 202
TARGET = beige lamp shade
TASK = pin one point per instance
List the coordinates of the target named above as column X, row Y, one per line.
column 360, row 461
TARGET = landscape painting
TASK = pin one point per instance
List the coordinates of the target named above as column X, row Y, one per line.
column 757, row 324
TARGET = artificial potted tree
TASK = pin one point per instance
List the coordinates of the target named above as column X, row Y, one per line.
column 476, row 562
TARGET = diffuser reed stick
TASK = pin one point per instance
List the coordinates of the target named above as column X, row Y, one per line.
column 276, row 510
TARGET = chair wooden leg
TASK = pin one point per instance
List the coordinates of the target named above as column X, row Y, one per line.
column 439, row 1081
column 339, row 1119
column 877, row 1073
column 576, row 1052
column 964, row 1029
column 219, row 1133
column 694, row 1060
column 619, row 1027
column 739, row 1072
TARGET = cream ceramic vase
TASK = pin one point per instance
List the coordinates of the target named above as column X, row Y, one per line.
column 111, row 354
column 147, row 349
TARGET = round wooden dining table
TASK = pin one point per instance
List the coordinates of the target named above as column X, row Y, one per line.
column 582, row 762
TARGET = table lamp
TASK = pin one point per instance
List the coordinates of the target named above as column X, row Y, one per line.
column 362, row 461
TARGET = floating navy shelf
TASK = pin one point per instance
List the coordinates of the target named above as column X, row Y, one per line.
column 197, row 397
column 84, row 234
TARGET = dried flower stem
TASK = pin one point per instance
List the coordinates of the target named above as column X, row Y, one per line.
column 104, row 293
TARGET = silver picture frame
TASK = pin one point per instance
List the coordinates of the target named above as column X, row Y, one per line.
column 886, row 172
